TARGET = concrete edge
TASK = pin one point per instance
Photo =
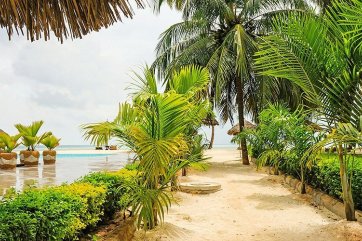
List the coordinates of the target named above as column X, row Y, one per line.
column 320, row 198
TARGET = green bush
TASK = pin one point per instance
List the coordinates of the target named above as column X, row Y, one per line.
column 92, row 199
column 64, row 212
column 325, row 176
column 116, row 185
column 49, row 213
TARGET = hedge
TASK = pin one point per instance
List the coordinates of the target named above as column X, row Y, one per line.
column 325, row 176
column 64, row 212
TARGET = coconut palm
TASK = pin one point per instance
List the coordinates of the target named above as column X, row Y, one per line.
column 156, row 126
column 62, row 18
column 321, row 55
column 221, row 35
column 190, row 82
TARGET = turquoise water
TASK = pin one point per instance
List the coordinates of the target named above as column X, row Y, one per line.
column 80, row 155
column 61, row 147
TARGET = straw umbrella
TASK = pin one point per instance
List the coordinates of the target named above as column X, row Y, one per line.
column 236, row 128
column 211, row 121
column 65, row 18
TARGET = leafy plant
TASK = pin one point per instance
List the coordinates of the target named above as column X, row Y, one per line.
column 159, row 128
column 50, row 142
column 9, row 143
column 320, row 54
column 30, row 134
column 92, row 198
column 222, row 37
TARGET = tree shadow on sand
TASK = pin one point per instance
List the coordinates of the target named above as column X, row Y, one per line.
column 166, row 231
column 264, row 181
column 274, row 202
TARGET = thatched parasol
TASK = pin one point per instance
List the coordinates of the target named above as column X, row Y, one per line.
column 313, row 125
column 210, row 122
column 236, row 128
column 65, row 18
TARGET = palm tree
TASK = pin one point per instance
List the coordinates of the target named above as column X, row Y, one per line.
column 65, row 19
column 321, row 55
column 221, row 35
column 156, row 126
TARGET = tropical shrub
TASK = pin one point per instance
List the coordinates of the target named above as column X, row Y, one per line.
column 325, row 176
column 116, row 185
column 66, row 212
column 50, row 142
column 321, row 54
column 282, row 140
column 92, row 199
column 160, row 128
column 8, row 143
column 29, row 134
column 50, row 214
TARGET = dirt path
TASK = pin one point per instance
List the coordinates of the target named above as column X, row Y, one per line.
column 251, row 206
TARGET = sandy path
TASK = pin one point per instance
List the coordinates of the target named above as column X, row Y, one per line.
column 251, row 206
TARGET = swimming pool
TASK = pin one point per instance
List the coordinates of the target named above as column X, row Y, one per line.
column 82, row 155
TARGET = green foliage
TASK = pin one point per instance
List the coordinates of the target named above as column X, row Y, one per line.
column 216, row 34
column 321, row 54
column 50, row 142
column 196, row 157
column 115, row 186
column 132, row 166
column 271, row 136
column 92, row 199
column 48, row 213
column 67, row 211
column 325, row 175
column 30, row 134
column 9, row 143
column 97, row 133
column 283, row 140
column 160, row 128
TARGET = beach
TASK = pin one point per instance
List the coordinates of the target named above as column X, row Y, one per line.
column 251, row 205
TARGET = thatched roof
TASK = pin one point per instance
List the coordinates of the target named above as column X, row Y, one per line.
column 210, row 122
column 313, row 125
column 65, row 18
column 236, row 128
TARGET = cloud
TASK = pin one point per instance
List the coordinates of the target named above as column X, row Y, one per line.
column 79, row 81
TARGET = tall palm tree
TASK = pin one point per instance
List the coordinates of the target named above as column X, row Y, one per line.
column 322, row 55
column 221, row 35
column 66, row 18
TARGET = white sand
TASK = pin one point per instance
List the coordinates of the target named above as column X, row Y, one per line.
column 251, row 206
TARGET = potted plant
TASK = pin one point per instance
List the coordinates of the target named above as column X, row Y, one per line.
column 7, row 156
column 50, row 142
column 31, row 139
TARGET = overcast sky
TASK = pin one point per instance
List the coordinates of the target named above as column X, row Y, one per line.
column 79, row 81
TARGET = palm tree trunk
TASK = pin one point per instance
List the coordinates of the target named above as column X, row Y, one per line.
column 302, row 177
column 346, row 187
column 240, row 102
column 212, row 136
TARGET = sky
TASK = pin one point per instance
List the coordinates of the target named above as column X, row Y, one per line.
column 81, row 80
